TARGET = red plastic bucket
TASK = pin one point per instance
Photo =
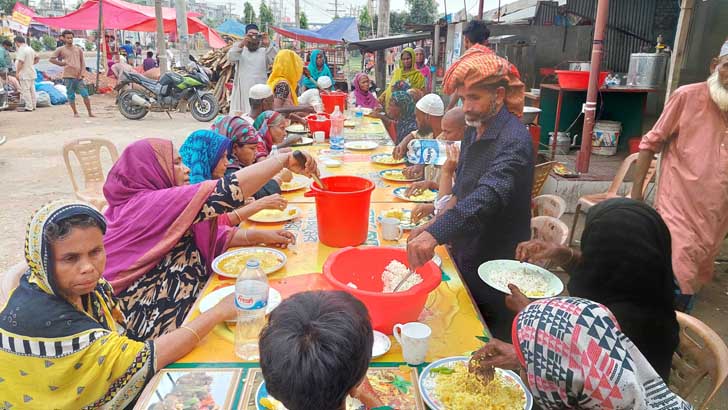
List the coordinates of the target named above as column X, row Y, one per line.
column 332, row 99
column 342, row 210
column 578, row 79
column 319, row 122
column 634, row 145
column 363, row 267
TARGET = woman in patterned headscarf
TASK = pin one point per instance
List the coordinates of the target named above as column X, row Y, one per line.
column 402, row 110
column 573, row 355
column 271, row 127
column 62, row 338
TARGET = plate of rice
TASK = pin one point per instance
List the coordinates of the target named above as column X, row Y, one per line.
column 275, row 215
column 386, row 159
column 426, row 196
column 447, row 384
column 231, row 263
column 534, row 281
column 298, row 182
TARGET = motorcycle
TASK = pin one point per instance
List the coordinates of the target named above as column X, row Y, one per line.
column 168, row 93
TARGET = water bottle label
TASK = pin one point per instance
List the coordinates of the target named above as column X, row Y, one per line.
column 243, row 302
column 424, row 152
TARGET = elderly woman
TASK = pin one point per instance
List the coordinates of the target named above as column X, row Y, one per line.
column 317, row 67
column 62, row 331
column 402, row 112
column 272, row 133
column 573, row 355
column 423, row 68
column 163, row 233
column 363, row 96
column 407, row 72
column 625, row 264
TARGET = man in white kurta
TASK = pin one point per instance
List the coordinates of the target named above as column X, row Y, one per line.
column 251, row 57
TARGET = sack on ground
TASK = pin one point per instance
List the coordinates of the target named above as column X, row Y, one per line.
column 56, row 96
column 42, row 99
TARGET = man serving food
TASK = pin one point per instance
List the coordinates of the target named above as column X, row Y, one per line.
column 490, row 211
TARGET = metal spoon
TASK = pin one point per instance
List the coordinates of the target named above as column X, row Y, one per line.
column 399, row 285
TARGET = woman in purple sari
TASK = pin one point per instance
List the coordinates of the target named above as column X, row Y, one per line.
column 163, row 234
column 363, row 95
column 423, row 68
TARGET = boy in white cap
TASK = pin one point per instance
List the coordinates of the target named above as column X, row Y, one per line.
column 692, row 135
column 261, row 99
column 428, row 115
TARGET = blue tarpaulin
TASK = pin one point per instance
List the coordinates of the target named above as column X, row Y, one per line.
column 231, row 27
column 339, row 30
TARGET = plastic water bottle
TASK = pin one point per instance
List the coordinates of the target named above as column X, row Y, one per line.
column 251, row 301
column 428, row 151
column 273, row 151
column 336, row 135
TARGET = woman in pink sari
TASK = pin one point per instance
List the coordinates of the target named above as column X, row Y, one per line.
column 423, row 68
column 163, row 234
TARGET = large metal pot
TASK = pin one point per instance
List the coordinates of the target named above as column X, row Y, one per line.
column 647, row 70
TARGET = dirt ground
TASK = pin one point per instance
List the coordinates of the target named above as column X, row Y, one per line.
column 32, row 172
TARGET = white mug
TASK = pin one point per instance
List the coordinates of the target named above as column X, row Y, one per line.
column 414, row 337
column 391, row 229
column 319, row 137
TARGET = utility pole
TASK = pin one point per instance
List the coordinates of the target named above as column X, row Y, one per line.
column 336, row 8
column 297, row 12
column 161, row 41
column 183, row 36
column 382, row 31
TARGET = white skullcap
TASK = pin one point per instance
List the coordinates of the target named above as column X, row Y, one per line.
column 324, row 82
column 431, row 104
column 309, row 97
column 724, row 50
column 260, row 92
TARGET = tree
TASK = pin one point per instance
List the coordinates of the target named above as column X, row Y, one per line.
column 6, row 6
column 365, row 23
column 422, row 11
column 303, row 21
column 266, row 17
column 397, row 20
column 248, row 13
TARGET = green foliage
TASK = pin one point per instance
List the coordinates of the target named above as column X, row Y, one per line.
column 303, row 21
column 248, row 13
column 90, row 46
column 422, row 11
column 266, row 17
column 36, row 45
column 49, row 42
column 365, row 23
column 6, row 6
column 397, row 20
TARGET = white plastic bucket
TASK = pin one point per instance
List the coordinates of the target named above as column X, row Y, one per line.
column 605, row 138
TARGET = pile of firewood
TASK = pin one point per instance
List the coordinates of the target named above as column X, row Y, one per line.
column 217, row 61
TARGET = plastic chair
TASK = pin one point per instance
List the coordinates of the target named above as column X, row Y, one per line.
column 588, row 201
column 701, row 353
column 9, row 281
column 549, row 205
column 540, row 175
column 549, row 229
column 88, row 154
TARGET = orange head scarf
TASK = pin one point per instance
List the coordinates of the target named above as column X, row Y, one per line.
column 479, row 65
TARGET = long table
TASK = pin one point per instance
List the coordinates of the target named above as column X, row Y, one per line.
column 449, row 311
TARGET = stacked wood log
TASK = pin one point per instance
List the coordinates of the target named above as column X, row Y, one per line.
column 217, row 61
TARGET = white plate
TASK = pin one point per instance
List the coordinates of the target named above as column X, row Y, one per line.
column 427, row 382
column 274, row 215
column 407, row 226
column 387, row 175
column 361, row 145
column 486, row 271
column 211, row 300
column 331, row 163
column 381, row 345
column 298, row 182
column 304, row 141
column 377, row 159
column 399, row 193
column 296, row 129
column 280, row 255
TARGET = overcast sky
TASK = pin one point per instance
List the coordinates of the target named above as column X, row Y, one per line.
column 316, row 10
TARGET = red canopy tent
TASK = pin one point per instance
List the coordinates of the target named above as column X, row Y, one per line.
column 121, row 15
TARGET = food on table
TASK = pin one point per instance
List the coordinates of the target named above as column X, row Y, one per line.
column 294, row 184
column 387, row 159
column 234, row 264
column 296, row 128
column 349, row 123
column 425, row 196
column 529, row 281
column 394, row 273
column 274, row 214
column 462, row 390
column 395, row 174
column 405, row 217
column 272, row 404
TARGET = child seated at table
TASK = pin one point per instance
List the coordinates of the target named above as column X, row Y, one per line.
column 315, row 351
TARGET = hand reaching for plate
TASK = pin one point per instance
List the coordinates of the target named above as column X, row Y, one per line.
column 280, row 238
column 495, row 353
column 516, row 301
column 274, row 201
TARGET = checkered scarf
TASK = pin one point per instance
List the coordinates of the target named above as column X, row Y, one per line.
column 479, row 65
column 577, row 357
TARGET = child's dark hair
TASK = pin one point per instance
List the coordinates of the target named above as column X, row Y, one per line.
column 58, row 230
column 315, row 348
column 150, row 54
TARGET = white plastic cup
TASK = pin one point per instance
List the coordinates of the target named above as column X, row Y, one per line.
column 319, row 137
column 414, row 337
column 391, row 229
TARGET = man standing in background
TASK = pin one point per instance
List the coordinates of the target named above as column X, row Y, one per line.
column 25, row 59
column 251, row 66
column 70, row 57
